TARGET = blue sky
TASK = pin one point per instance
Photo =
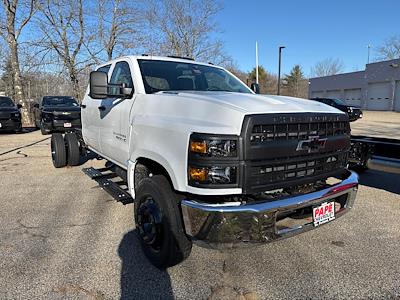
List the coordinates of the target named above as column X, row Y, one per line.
column 311, row 30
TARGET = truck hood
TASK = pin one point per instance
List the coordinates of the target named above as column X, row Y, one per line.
column 215, row 112
column 9, row 109
column 256, row 104
column 60, row 108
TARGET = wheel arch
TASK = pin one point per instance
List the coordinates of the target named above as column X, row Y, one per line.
column 155, row 166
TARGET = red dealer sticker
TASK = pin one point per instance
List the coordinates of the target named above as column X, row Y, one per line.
column 324, row 213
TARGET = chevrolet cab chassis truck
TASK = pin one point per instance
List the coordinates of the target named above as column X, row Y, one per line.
column 205, row 159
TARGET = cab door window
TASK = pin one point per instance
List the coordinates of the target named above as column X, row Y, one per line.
column 121, row 75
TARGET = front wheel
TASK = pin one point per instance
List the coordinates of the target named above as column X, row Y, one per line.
column 159, row 223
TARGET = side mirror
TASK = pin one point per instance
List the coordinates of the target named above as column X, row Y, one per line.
column 255, row 88
column 36, row 105
column 98, row 85
column 19, row 106
column 125, row 91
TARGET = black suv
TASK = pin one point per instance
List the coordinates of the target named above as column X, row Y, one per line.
column 57, row 113
column 354, row 113
column 10, row 116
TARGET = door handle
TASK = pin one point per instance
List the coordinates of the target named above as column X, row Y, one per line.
column 102, row 107
column 83, row 106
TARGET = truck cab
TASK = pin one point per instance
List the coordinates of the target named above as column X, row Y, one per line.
column 209, row 161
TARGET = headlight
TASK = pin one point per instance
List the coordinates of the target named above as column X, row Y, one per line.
column 47, row 117
column 212, row 146
column 212, row 175
column 213, row 161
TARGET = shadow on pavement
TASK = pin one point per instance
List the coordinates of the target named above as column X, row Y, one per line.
column 381, row 180
column 139, row 278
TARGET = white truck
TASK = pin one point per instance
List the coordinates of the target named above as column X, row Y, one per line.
column 207, row 160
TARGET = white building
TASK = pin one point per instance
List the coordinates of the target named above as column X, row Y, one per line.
column 376, row 88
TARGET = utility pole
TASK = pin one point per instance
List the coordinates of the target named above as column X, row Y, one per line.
column 369, row 48
column 256, row 63
column 279, row 69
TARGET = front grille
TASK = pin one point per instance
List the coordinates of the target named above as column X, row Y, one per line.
column 67, row 116
column 292, row 168
column 283, row 150
column 5, row 115
column 322, row 126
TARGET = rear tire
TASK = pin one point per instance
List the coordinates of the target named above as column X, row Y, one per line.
column 159, row 223
column 73, row 149
column 58, row 150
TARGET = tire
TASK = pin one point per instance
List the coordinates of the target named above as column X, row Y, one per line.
column 58, row 150
column 159, row 223
column 43, row 131
column 141, row 172
column 73, row 149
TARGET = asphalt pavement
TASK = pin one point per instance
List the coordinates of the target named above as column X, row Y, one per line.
column 62, row 237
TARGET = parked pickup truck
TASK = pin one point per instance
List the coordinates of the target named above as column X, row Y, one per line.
column 10, row 115
column 57, row 113
column 206, row 160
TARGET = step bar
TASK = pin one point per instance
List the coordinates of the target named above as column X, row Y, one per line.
column 108, row 185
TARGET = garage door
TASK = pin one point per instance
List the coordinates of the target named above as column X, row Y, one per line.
column 334, row 94
column 379, row 96
column 353, row 97
column 317, row 94
column 397, row 97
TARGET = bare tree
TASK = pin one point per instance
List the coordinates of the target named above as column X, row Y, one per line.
column 390, row 49
column 327, row 67
column 118, row 26
column 63, row 27
column 17, row 15
column 184, row 28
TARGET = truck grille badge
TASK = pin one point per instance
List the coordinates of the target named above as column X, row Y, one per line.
column 313, row 144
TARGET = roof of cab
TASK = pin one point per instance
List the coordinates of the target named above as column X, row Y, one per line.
column 163, row 58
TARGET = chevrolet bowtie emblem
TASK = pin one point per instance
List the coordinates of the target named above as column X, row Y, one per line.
column 313, row 144
column 66, row 113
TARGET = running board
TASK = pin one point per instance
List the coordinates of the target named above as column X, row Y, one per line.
column 108, row 185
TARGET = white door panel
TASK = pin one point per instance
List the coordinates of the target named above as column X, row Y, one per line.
column 379, row 96
column 91, row 122
column 353, row 97
column 334, row 94
column 317, row 94
column 397, row 97
column 115, row 115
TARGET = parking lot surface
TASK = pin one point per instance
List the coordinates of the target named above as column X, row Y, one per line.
column 378, row 124
column 62, row 237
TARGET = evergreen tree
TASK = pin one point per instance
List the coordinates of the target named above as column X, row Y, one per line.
column 295, row 82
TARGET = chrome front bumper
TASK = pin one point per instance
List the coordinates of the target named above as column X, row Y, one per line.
column 235, row 224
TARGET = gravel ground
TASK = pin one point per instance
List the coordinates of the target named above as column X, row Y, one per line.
column 62, row 237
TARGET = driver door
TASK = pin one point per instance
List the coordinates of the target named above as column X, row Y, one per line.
column 114, row 116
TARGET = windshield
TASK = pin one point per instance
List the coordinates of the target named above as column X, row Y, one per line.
column 339, row 102
column 6, row 102
column 59, row 101
column 177, row 76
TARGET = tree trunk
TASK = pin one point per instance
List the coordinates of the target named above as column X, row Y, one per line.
column 74, row 80
column 18, row 88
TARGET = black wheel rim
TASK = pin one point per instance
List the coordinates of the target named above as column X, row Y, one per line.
column 150, row 223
